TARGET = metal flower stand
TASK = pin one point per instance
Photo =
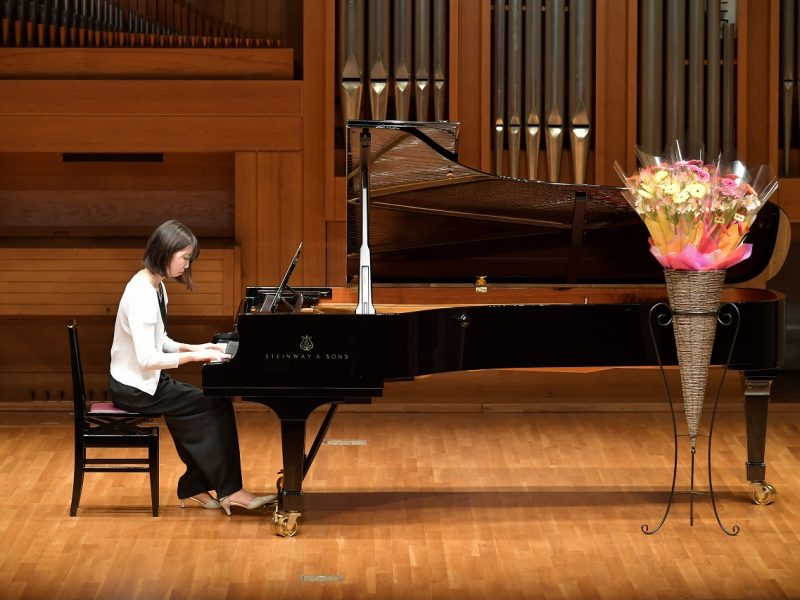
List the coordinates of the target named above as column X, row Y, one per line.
column 694, row 311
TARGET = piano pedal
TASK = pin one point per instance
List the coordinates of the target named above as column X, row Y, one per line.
column 279, row 483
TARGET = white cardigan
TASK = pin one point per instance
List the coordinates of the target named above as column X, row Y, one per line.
column 141, row 346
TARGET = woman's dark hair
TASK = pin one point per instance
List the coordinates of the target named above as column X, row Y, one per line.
column 165, row 241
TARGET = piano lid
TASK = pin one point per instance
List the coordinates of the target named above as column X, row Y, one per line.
column 434, row 220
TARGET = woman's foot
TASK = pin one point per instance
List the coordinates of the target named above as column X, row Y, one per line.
column 204, row 499
column 245, row 499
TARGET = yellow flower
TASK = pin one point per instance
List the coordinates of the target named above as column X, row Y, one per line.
column 670, row 188
column 661, row 174
column 698, row 190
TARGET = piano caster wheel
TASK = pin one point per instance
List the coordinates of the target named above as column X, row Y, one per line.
column 285, row 525
column 764, row 493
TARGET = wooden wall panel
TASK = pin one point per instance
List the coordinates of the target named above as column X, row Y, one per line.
column 151, row 98
column 36, row 367
column 270, row 218
column 269, row 214
column 148, row 134
column 150, row 116
column 146, row 63
column 472, row 101
column 246, row 214
column 90, row 281
column 318, row 128
column 280, row 215
column 757, row 82
column 336, row 244
column 41, row 195
column 614, row 135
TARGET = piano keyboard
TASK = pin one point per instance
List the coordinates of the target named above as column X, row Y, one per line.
column 231, row 347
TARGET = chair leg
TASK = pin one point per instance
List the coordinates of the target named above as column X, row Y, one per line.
column 77, row 484
column 153, row 454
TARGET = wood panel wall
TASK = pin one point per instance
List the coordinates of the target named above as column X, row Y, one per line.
column 250, row 160
column 245, row 160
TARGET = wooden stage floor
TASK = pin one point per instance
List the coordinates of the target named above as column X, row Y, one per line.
column 436, row 505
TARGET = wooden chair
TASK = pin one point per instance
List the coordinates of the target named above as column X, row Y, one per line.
column 102, row 425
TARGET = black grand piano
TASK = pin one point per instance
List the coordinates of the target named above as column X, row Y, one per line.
column 569, row 268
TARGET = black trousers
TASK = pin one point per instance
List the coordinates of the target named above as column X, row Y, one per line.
column 202, row 427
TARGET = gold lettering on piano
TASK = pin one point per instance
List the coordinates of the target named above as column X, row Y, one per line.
column 307, row 356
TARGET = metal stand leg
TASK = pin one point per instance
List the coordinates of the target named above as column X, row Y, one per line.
column 661, row 314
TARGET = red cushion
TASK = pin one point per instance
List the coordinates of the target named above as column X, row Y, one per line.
column 106, row 407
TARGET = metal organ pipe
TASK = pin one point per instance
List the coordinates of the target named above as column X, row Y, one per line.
column 514, row 84
column 402, row 58
column 439, row 58
column 351, row 56
column 650, row 93
column 713, row 89
column 728, row 89
column 675, row 94
column 499, row 84
column 554, row 85
column 422, row 57
column 533, row 85
column 581, row 47
column 695, row 82
column 788, row 18
column 378, row 57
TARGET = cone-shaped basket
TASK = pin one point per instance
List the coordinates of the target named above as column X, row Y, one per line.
column 694, row 298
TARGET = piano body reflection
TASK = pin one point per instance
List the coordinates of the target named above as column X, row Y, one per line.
column 572, row 285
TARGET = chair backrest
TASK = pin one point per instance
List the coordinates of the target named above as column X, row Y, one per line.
column 78, row 387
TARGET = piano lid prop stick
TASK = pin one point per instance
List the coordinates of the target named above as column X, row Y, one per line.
column 580, row 96
column 365, row 306
column 533, row 85
column 712, row 79
column 513, row 55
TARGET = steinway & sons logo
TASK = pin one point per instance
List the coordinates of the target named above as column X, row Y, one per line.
column 306, row 346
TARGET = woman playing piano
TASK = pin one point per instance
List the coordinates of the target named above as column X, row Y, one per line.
column 202, row 427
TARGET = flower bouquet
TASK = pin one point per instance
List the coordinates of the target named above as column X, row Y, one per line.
column 698, row 216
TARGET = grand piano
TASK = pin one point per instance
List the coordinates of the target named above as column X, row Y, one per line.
column 569, row 280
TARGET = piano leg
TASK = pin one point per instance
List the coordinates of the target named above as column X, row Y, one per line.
column 756, row 404
column 293, row 414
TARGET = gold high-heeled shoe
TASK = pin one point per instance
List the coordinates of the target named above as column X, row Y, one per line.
column 207, row 504
column 256, row 502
